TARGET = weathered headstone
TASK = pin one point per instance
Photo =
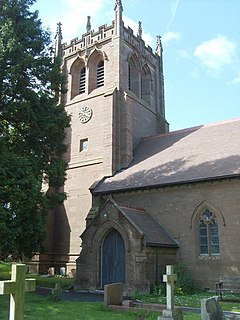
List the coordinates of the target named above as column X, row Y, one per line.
column 51, row 271
column 171, row 312
column 57, row 292
column 113, row 294
column 62, row 271
column 57, row 289
column 210, row 309
column 17, row 287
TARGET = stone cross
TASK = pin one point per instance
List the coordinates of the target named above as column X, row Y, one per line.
column 17, row 287
column 170, row 278
column 171, row 313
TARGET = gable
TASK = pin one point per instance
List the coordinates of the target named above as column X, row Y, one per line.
column 113, row 215
column 153, row 233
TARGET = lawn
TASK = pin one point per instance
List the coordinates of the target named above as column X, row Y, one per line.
column 231, row 302
column 42, row 308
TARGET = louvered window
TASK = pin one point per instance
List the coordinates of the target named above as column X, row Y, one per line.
column 100, row 74
column 82, row 81
column 129, row 77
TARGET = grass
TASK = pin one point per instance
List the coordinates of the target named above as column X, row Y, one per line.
column 41, row 308
column 65, row 283
column 231, row 302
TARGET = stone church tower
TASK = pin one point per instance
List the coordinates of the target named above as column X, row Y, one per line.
column 115, row 96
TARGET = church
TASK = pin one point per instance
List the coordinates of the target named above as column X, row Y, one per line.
column 139, row 196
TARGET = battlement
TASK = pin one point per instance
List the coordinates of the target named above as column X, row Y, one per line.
column 105, row 33
column 89, row 39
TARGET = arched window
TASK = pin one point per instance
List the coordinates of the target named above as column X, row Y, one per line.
column 82, row 81
column 133, row 75
column 96, row 67
column 78, row 75
column 100, row 74
column 208, row 234
column 146, row 84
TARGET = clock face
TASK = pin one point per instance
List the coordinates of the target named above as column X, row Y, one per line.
column 85, row 114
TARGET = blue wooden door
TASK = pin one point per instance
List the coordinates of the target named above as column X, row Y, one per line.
column 113, row 258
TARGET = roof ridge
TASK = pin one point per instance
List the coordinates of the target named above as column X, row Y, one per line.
column 132, row 208
column 173, row 132
column 191, row 128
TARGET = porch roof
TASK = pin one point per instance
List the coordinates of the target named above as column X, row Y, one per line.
column 153, row 233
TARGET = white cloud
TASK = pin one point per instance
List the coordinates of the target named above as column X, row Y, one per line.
column 216, row 53
column 236, row 81
column 174, row 7
column 169, row 36
column 184, row 54
column 74, row 16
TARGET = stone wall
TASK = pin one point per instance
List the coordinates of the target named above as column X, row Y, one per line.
column 177, row 208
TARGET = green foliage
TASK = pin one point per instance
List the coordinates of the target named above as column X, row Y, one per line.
column 159, row 290
column 65, row 283
column 32, row 129
column 5, row 271
column 184, row 284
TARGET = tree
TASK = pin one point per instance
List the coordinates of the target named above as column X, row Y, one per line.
column 32, row 129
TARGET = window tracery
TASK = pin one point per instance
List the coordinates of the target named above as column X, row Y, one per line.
column 208, row 234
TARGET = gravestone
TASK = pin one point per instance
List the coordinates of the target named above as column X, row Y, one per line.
column 62, row 271
column 51, row 271
column 113, row 294
column 211, row 310
column 171, row 313
column 57, row 292
column 17, row 287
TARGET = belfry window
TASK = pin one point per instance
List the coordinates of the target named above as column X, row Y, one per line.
column 146, row 84
column 82, row 80
column 100, row 74
column 78, row 75
column 133, row 75
column 208, row 234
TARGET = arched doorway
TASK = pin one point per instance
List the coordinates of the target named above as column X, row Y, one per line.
column 112, row 258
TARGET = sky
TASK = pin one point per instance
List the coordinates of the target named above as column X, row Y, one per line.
column 201, row 43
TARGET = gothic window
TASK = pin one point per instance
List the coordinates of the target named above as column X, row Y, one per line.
column 78, row 76
column 146, row 84
column 100, row 74
column 96, row 68
column 208, row 234
column 82, row 81
column 133, row 75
